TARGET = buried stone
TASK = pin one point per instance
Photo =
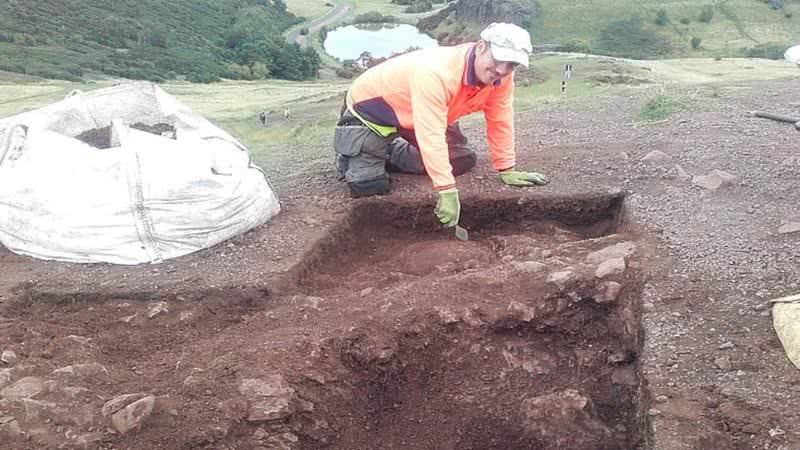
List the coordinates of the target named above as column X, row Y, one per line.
column 568, row 420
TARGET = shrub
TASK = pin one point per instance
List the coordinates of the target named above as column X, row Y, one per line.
column 685, row 21
column 627, row 39
column 787, row 14
column 576, row 46
column 706, row 14
column 323, row 34
column 419, row 6
column 696, row 42
column 345, row 72
column 304, row 31
column 373, row 17
column 661, row 18
column 767, row 51
column 658, row 108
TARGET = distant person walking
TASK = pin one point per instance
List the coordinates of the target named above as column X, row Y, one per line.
column 401, row 115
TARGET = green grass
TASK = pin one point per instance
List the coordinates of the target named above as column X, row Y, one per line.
column 234, row 105
column 558, row 22
column 309, row 9
column 659, row 108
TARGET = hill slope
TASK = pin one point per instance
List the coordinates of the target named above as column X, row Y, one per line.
column 147, row 39
column 643, row 29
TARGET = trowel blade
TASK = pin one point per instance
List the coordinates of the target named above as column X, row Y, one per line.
column 462, row 233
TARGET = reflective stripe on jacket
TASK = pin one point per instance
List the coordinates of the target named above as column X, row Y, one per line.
column 425, row 91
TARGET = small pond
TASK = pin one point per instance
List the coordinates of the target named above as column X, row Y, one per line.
column 380, row 40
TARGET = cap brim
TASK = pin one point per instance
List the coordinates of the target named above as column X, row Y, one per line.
column 506, row 54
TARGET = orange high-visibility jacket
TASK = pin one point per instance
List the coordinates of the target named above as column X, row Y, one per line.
column 425, row 91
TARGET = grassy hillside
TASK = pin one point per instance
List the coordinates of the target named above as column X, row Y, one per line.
column 201, row 40
column 234, row 105
column 724, row 28
column 654, row 29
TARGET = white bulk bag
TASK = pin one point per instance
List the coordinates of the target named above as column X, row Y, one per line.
column 793, row 55
column 146, row 198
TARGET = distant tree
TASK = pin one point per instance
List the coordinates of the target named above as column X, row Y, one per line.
column 706, row 14
column 323, row 33
column 696, row 42
column 661, row 17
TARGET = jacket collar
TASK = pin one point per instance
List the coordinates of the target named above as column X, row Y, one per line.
column 469, row 75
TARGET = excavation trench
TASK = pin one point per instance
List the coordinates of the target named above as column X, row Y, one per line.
column 392, row 335
column 511, row 340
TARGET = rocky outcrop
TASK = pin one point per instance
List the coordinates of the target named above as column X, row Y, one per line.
column 485, row 12
column 481, row 12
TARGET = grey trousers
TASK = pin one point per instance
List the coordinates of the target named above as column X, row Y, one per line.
column 363, row 157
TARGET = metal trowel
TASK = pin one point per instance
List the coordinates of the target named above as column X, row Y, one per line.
column 461, row 233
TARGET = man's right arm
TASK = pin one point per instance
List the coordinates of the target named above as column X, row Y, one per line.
column 429, row 99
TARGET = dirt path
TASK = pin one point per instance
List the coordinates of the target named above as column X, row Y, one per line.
column 333, row 16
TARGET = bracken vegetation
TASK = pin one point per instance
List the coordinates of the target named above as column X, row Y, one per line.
column 198, row 40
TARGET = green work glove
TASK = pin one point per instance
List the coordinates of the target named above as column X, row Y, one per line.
column 518, row 178
column 448, row 208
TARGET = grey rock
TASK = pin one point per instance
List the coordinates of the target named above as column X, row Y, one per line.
column 723, row 363
column 561, row 279
column 714, row 180
column 533, row 362
column 282, row 441
column 656, row 156
column 619, row 250
column 36, row 409
column 611, row 267
column 566, row 419
column 517, row 310
column 128, row 319
column 8, row 357
column 270, row 399
column 11, row 429
column 790, row 227
column 156, row 309
column 447, row 316
column 5, row 377
column 133, row 415
column 726, row 346
column 82, row 370
column 528, row 266
column 27, row 387
column 119, row 402
column 681, row 174
column 608, row 292
column 89, row 440
column 78, row 339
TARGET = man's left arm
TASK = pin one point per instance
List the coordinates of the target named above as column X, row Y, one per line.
column 499, row 114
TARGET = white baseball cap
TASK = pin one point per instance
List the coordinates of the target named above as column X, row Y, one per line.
column 510, row 42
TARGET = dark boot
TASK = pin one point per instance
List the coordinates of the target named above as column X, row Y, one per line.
column 381, row 186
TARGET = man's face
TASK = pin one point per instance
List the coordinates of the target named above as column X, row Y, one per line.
column 487, row 69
